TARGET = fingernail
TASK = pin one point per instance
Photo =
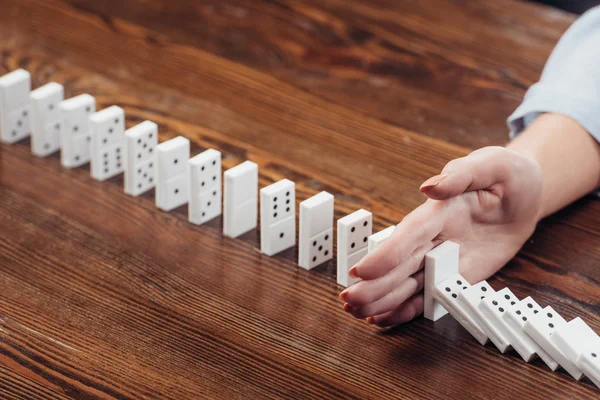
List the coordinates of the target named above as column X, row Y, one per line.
column 371, row 320
column 352, row 273
column 433, row 181
column 343, row 295
column 347, row 307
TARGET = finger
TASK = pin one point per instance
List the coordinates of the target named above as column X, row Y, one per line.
column 479, row 170
column 417, row 228
column 392, row 300
column 369, row 291
column 412, row 308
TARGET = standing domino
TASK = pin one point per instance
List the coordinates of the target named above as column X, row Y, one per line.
column 140, row 143
column 494, row 325
column 589, row 363
column 46, row 119
column 241, row 197
column 277, row 217
column 377, row 239
column 446, row 293
column 75, row 133
column 352, row 235
column 540, row 328
column 172, row 173
column 316, row 231
column 440, row 263
column 106, row 150
column 205, row 187
column 574, row 338
column 15, row 113
column 521, row 342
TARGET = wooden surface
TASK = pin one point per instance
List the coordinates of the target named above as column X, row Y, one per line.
column 103, row 296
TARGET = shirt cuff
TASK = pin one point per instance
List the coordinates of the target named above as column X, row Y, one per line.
column 543, row 98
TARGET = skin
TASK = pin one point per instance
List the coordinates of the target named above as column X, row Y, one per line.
column 489, row 202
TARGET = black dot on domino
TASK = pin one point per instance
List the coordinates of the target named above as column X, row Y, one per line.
column 353, row 229
column 176, row 191
column 447, row 289
column 495, row 302
column 320, row 248
column 551, row 325
column 454, row 295
column 352, row 245
column 281, row 235
column 326, row 237
column 459, row 282
column 501, row 309
column 524, row 318
column 518, row 312
column 365, row 223
column 483, row 289
column 314, row 259
column 175, row 161
column 326, row 252
column 314, row 243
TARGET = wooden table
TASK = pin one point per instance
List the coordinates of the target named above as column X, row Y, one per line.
column 103, row 296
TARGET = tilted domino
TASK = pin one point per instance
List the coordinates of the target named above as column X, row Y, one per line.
column 540, row 328
column 527, row 348
column 446, row 293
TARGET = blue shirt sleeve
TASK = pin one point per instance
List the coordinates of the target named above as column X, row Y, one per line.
column 570, row 82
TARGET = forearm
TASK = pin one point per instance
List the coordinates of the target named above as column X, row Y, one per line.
column 568, row 155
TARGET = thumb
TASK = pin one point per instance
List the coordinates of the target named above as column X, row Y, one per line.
column 478, row 171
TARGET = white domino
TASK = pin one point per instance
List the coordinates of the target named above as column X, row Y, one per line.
column 140, row 146
column 316, row 231
column 46, row 119
column 107, row 151
column 494, row 325
column 75, row 132
column 204, row 186
column 540, row 327
column 171, row 173
column 353, row 233
column 446, row 293
column 574, row 338
column 440, row 263
column 15, row 107
column 240, row 209
column 470, row 298
column 527, row 348
column 377, row 239
column 589, row 363
column 278, row 217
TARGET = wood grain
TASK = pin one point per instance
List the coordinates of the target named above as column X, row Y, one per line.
column 103, row 296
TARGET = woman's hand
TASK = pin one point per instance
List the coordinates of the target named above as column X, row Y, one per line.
column 489, row 202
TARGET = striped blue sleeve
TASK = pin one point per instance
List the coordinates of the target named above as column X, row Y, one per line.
column 570, row 82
